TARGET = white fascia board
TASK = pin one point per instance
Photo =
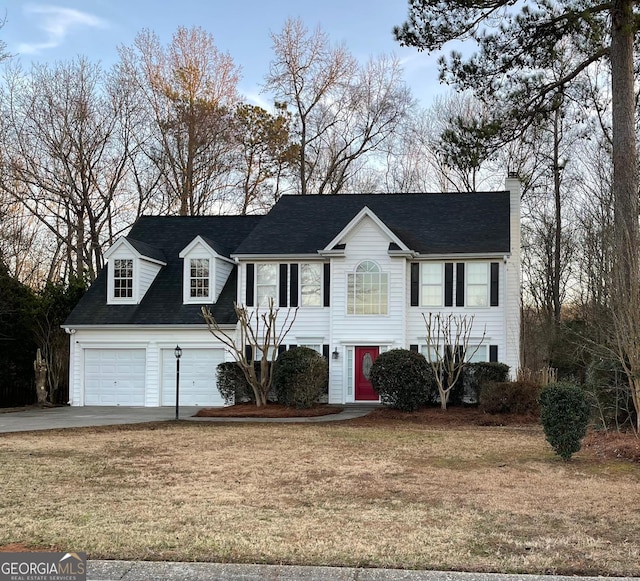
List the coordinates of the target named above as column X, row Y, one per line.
column 464, row 256
column 122, row 241
column 276, row 257
column 199, row 240
column 146, row 327
column 366, row 211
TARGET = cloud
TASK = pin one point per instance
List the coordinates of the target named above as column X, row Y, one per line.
column 56, row 22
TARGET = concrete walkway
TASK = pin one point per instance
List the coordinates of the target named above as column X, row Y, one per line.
column 30, row 419
column 162, row 571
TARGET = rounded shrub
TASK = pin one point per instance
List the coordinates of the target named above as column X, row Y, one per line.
column 300, row 377
column 232, row 384
column 510, row 397
column 564, row 414
column 403, row 379
column 478, row 374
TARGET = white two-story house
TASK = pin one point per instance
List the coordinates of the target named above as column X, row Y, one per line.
column 360, row 269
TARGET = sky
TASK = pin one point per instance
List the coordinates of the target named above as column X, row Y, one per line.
column 63, row 29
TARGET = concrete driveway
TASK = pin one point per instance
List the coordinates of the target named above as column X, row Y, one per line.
column 82, row 417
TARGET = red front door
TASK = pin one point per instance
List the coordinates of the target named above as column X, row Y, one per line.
column 365, row 356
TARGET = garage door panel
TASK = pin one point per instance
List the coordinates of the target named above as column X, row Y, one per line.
column 115, row 377
column 198, row 369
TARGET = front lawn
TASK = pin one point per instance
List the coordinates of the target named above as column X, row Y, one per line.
column 371, row 492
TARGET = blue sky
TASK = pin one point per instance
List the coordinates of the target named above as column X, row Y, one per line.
column 63, row 29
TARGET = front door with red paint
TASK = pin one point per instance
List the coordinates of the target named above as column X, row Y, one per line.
column 365, row 356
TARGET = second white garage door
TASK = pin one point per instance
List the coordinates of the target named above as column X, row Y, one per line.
column 197, row 377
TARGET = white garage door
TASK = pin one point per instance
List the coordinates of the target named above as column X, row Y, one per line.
column 197, row 377
column 114, row 376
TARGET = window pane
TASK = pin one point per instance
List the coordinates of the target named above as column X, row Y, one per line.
column 479, row 355
column 267, row 274
column 310, row 285
column 123, row 278
column 431, row 296
column 367, row 290
column 432, row 274
column 477, row 284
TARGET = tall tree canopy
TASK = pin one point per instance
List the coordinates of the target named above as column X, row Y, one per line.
column 517, row 45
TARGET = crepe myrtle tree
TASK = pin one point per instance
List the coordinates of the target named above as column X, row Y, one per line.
column 256, row 338
column 448, row 349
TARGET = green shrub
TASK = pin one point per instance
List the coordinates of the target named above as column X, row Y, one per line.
column 477, row 374
column 301, row 377
column 510, row 397
column 403, row 379
column 564, row 414
column 232, row 384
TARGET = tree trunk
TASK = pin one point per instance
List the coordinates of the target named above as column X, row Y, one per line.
column 626, row 283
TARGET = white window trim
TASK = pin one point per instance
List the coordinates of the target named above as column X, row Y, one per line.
column 111, row 297
column 354, row 274
column 488, row 286
column 186, row 277
column 255, row 284
column 321, row 285
column 442, row 284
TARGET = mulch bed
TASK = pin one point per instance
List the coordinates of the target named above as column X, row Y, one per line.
column 271, row 410
column 623, row 445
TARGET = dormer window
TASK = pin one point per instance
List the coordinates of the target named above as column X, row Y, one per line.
column 199, row 282
column 123, row 278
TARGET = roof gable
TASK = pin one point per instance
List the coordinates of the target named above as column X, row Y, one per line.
column 355, row 221
column 138, row 249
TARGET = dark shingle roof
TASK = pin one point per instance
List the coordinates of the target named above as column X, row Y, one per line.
column 163, row 302
column 427, row 223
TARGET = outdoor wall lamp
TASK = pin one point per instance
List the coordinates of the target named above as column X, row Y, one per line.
column 178, row 353
column 335, row 354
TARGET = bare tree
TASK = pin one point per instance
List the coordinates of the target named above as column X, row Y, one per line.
column 256, row 338
column 342, row 111
column 189, row 90
column 65, row 159
column 449, row 348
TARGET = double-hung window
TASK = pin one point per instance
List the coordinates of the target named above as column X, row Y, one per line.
column 432, row 284
column 477, row 284
column 311, row 285
column 123, row 278
column 199, row 278
column 266, row 283
column 367, row 290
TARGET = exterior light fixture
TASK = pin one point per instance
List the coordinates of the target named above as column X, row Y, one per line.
column 178, row 353
column 335, row 354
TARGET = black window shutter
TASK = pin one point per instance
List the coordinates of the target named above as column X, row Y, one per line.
column 413, row 348
column 325, row 350
column 460, row 284
column 248, row 352
column 282, row 294
column 495, row 276
column 327, row 284
column 292, row 346
column 281, row 349
column 415, row 284
column 448, row 284
column 493, row 353
column 250, row 283
column 293, row 285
